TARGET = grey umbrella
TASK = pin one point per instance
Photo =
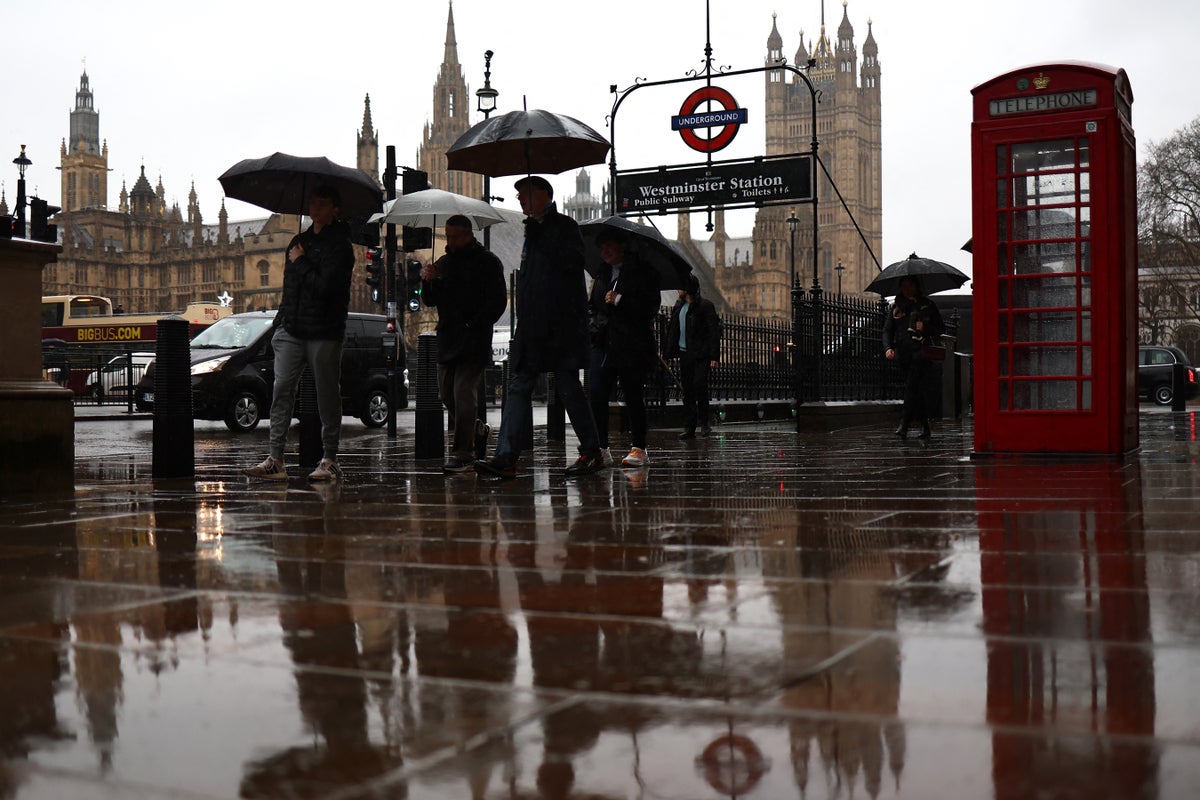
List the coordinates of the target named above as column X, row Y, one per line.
column 432, row 207
column 646, row 242
column 527, row 142
column 932, row 276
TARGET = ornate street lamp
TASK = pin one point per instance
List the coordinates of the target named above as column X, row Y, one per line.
column 19, row 222
column 485, row 103
column 839, row 269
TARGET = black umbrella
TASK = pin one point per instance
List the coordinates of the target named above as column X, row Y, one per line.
column 527, row 142
column 645, row 242
column 281, row 183
column 933, row 276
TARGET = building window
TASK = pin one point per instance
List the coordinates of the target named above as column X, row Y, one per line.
column 239, row 273
column 264, row 273
column 450, row 103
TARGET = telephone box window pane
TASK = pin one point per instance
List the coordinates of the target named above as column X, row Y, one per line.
column 1043, row 156
column 1003, row 395
column 1044, row 223
column 1084, row 160
column 1085, row 367
column 1085, row 291
column 1044, row 189
column 1043, row 293
column 1034, row 362
column 1085, row 326
column 1085, row 400
column 1085, row 187
column 1044, row 396
column 1033, row 259
column 1002, row 327
column 1002, row 227
column 1002, row 362
column 1085, row 256
column 1001, row 159
column 1044, row 326
column 1003, row 264
column 1002, row 193
column 1002, row 294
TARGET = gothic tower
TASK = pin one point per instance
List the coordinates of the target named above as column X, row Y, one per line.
column 83, row 159
column 849, row 144
column 583, row 205
column 451, row 106
column 368, row 144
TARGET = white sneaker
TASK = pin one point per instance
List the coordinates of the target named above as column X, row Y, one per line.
column 606, row 455
column 327, row 470
column 271, row 468
column 637, row 458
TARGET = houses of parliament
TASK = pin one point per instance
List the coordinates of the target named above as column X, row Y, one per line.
column 147, row 256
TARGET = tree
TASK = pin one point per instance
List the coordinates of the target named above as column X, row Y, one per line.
column 1169, row 234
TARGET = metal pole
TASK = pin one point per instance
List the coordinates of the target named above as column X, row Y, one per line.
column 397, row 354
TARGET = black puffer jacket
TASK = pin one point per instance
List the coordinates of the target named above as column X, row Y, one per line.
column 551, row 297
column 625, row 331
column 470, row 296
column 316, row 286
column 899, row 330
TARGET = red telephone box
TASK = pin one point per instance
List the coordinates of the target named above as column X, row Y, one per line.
column 1054, row 235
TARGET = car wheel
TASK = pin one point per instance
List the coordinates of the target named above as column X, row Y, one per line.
column 243, row 412
column 1163, row 394
column 375, row 412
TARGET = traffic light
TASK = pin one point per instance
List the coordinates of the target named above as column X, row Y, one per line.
column 413, row 282
column 375, row 267
column 40, row 229
column 413, row 239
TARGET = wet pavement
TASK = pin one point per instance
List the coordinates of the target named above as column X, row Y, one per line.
column 756, row 615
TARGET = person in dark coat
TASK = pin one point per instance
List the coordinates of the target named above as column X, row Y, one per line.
column 551, row 334
column 912, row 321
column 310, row 327
column 467, row 287
column 623, row 303
column 694, row 336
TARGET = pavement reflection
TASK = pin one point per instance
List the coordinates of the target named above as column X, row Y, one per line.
column 757, row 615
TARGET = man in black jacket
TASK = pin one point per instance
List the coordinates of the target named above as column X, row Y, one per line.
column 310, row 327
column 467, row 287
column 551, row 334
column 694, row 335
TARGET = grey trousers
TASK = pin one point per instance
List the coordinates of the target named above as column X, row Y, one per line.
column 458, row 384
column 324, row 358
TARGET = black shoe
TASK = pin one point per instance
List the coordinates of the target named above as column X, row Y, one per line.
column 586, row 465
column 688, row 435
column 483, row 432
column 706, row 431
column 458, row 465
column 925, row 432
column 902, row 430
column 496, row 468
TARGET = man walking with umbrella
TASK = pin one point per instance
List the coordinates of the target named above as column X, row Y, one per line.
column 467, row 287
column 551, row 334
column 310, row 327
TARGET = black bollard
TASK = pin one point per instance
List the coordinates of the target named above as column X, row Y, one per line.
column 1179, row 387
column 430, row 436
column 174, row 432
column 311, row 447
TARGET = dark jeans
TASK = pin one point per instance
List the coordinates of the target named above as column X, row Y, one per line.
column 516, row 410
column 458, row 386
column 601, row 380
column 916, row 390
column 693, row 374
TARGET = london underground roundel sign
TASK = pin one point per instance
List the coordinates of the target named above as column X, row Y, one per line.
column 726, row 118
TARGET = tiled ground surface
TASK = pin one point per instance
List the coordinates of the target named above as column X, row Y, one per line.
column 757, row 615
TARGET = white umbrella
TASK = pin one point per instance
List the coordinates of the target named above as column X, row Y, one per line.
column 432, row 207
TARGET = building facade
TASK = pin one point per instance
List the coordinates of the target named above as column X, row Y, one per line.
column 850, row 146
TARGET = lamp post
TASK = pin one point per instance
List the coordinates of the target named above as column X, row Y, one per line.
column 19, row 221
column 792, row 222
column 485, row 103
column 839, row 269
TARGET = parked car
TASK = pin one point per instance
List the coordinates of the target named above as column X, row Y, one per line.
column 1156, row 366
column 233, row 371
column 114, row 378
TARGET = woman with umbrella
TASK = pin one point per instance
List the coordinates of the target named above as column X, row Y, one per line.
column 913, row 322
column 623, row 302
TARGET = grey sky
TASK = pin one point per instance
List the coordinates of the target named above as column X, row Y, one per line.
column 188, row 90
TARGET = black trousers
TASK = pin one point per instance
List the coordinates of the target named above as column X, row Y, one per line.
column 916, row 390
column 693, row 374
column 601, row 380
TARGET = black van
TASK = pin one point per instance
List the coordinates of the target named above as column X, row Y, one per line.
column 233, row 371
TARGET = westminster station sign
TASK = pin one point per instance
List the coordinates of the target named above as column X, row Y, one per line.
column 731, row 184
